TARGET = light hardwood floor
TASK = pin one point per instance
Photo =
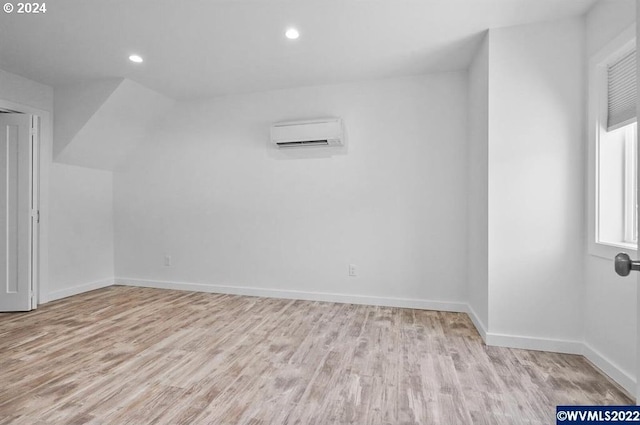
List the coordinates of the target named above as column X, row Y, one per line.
column 139, row 356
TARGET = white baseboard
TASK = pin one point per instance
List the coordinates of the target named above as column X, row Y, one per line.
column 523, row 342
column 299, row 295
column 534, row 343
column 605, row 365
column 480, row 327
column 79, row 289
column 609, row 368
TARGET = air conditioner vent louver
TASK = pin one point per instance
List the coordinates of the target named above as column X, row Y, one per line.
column 320, row 132
column 304, row 143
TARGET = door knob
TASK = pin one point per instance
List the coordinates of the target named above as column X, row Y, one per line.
column 623, row 264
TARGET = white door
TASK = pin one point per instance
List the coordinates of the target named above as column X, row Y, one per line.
column 16, row 214
column 637, row 264
column 637, row 215
column 638, row 293
column 638, row 277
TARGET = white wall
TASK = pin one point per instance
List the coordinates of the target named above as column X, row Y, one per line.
column 81, row 230
column 536, row 196
column 478, row 202
column 610, row 301
column 208, row 190
column 28, row 96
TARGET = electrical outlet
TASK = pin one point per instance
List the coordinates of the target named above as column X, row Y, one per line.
column 353, row 270
column 167, row 261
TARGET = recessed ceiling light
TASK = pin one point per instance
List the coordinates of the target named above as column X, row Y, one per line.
column 292, row 34
column 135, row 58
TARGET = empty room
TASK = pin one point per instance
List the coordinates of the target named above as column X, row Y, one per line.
column 368, row 212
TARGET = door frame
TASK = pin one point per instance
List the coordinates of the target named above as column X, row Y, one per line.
column 39, row 186
column 34, row 184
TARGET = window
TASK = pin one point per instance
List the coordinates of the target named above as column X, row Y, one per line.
column 613, row 168
column 616, row 187
column 631, row 184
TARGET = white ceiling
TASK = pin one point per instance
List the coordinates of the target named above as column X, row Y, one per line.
column 203, row 48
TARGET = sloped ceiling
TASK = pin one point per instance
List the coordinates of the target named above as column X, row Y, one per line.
column 75, row 105
column 98, row 129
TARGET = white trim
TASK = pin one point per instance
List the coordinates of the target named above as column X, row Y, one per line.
column 34, row 141
column 79, row 289
column 601, row 362
column 608, row 251
column 610, row 369
column 458, row 307
column 534, row 343
column 480, row 327
column 605, row 365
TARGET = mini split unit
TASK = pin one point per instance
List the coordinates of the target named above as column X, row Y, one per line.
column 319, row 132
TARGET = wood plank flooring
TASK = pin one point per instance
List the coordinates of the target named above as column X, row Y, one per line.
column 125, row 355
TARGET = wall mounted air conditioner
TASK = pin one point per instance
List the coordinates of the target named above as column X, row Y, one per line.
column 319, row 132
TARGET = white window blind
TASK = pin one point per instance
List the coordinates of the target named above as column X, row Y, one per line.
column 621, row 76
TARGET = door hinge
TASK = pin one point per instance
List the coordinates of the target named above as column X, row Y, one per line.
column 36, row 215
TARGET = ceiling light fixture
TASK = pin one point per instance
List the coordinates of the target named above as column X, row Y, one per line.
column 135, row 58
column 292, row 34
